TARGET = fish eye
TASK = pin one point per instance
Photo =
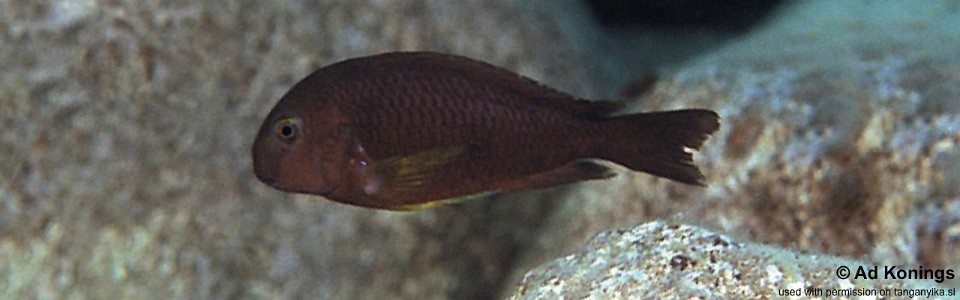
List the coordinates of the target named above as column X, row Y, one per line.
column 288, row 128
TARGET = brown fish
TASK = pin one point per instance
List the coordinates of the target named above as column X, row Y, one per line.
column 410, row 130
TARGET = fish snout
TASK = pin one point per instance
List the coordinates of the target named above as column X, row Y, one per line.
column 268, row 180
column 264, row 163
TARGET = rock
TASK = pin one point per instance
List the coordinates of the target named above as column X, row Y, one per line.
column 125, row 151
column 125, row 169
column 847, row 146
column 676, row 261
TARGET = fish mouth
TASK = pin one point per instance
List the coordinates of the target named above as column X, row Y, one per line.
column 268, row 180
column 313, row 191
column 328, row 192
column 274, row 182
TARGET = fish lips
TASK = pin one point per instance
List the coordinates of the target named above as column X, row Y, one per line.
column 270, row 175
column 274, row 183
column 265, row 156
column 268, row 180
column 266, row 160
column 271, row 179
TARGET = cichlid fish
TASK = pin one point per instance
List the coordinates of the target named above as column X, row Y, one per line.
column 409, row 130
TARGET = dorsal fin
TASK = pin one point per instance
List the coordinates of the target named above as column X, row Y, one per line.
column 535, row 92
column 591, row 108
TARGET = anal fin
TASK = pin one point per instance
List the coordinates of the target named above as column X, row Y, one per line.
column 575, row 171
column 443, row 202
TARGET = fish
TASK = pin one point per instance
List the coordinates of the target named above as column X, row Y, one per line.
column 414, row 130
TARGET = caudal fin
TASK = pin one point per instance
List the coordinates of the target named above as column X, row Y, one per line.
column 659, row 142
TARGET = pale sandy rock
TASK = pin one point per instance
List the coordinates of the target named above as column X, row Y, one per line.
column 663, row 260
column 843, row 143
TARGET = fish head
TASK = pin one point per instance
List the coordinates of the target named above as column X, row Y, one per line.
column 301, row 150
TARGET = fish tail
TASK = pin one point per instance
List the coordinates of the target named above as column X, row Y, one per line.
column 660, row 143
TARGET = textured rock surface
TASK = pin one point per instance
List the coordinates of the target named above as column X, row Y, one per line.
column 125, row 170
column 675, row 261
column 124, row 154
column 839, row 135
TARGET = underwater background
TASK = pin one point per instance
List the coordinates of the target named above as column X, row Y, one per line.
column 125, row 167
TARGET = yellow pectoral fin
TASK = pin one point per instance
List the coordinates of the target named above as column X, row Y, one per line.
column 407, row 177
column 442, row 202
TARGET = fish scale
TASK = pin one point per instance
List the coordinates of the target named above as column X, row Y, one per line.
column 496, row 120
column 408, row 130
